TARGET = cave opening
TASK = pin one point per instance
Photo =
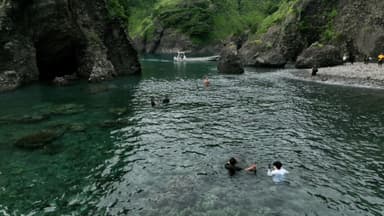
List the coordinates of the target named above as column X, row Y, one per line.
column 57, row 55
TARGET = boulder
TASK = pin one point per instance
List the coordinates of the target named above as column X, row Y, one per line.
column 256, row 56
column 320, row 55
column 271, row 58
column 230, row 62
column 9, row 80
column 60, row 81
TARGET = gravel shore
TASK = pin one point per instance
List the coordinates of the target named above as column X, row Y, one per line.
column 358, row 74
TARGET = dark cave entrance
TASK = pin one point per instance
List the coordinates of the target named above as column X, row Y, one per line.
column 57, row 55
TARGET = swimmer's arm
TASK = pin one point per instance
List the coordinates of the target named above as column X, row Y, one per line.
column 270, row 172
column 251, row 168
column 238, row 168
column 231, row 167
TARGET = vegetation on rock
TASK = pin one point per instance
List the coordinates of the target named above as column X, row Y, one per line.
column 288, row 26
column 203, row 20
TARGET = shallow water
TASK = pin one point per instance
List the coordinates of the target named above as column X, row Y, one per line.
column 133, row 159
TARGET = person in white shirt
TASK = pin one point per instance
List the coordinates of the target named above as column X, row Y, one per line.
column 278, row 172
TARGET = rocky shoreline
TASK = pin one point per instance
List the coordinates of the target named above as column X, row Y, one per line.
column 83, row 40
column 358, row 74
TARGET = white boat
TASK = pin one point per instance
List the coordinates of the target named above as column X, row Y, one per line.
column 181, row 57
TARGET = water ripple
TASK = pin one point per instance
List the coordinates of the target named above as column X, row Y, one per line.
column 255, row 117
column 169, row 159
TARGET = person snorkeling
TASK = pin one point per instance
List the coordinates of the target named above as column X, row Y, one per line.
column 153, row 103
column 166, row 100
column 232, row 168
column 277, row 172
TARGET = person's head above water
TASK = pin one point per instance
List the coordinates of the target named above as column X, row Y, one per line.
column 206, row 81
column 166, row 99
column 277, row 164
column 232, row 161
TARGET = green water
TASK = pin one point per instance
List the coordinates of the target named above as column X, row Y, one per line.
column 128, row 158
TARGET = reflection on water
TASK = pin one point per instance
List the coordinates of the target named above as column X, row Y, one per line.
column 134, row 159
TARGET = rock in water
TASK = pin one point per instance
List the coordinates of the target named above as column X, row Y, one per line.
column 118, row 110
column 82, row 39
column 67, row 109
column 230, row 62
column 37, row 140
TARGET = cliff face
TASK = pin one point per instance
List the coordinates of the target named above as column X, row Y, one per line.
column 352, row 27
column 160, row 26
column 44, row 39
column 363, row 23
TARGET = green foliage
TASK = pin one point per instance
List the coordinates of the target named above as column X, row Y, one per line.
column 202, row 20
column 191, row 17
column 286, row 7
column 118, row 9
column 329, row 33
column 207, row 21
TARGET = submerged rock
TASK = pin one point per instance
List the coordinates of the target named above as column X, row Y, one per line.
column 118, row 111
column 38, row 139
column 97, row 88
column 27, row 119
column 32, row 118
column 77, row 127
column 67, row 109
column 114, row 123
column 230, row 62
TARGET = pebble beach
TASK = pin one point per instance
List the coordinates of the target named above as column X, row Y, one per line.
column 358, row 74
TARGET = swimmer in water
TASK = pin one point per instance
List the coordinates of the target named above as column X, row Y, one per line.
column 153, row 103
column 232, row 168
column 278, row 172
column 166, row 100
column 206, row 81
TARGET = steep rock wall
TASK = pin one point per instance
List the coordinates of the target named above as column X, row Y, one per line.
column 43, row 39
column 352, row 26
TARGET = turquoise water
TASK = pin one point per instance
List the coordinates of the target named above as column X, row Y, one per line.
column 117, row 155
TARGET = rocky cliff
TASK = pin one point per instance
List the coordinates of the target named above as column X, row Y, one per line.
column 268, row 33
column 44, row 39
column 351, row 27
